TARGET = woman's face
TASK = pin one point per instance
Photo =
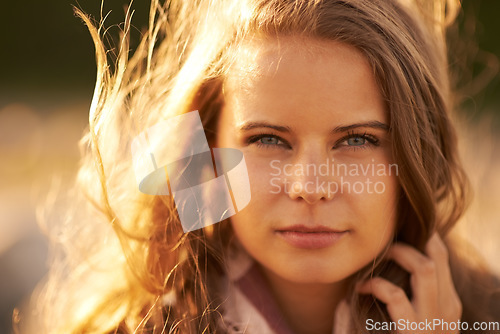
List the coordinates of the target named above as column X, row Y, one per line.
column 312, row 125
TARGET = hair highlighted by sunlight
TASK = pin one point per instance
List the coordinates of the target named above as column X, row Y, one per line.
column 125, row 264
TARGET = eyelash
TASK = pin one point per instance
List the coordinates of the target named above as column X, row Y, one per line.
column 256, row 140
column 371, row 140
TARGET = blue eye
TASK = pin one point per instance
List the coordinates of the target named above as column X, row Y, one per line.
column 356, row 141
column 268, row 141
column 352, row 141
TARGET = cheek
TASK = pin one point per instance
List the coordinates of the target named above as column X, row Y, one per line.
column 251, row 225
column 263, row 181
column 371, row 201
column 376, row 211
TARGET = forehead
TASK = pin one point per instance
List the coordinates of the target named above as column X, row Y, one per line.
column 262, row 56
column 297, row 76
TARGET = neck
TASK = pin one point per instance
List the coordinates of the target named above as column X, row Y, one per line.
column 308, row 307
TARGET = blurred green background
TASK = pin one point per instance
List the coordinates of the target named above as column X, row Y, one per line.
column 47, row 73
column 47, row 52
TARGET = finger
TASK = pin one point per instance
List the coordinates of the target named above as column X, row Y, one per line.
column 436, row 249
column 424, row 280
column 398, row 304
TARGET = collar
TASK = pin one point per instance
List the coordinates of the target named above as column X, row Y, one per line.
column 248, row 303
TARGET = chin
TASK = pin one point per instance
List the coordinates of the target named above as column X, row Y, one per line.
column 308, row 273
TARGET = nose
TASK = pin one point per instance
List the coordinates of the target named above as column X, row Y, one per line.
column 310, row 179
column 311, row 193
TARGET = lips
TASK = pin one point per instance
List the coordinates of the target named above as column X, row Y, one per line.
column 309, row 229
column 310, row 237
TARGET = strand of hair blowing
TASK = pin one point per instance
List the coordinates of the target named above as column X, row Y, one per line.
column 180, row 65
column 121, row 251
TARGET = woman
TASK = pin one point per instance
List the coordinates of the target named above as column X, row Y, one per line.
column 359, row 86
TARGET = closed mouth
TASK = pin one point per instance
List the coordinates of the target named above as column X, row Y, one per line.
column 310, row 229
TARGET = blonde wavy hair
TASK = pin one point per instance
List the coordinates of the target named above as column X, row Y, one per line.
column 122, row 263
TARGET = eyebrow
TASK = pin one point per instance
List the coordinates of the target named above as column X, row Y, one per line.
column 338, row 129
column 369, row 124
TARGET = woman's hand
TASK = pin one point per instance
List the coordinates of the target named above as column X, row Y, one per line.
column 434, row 296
